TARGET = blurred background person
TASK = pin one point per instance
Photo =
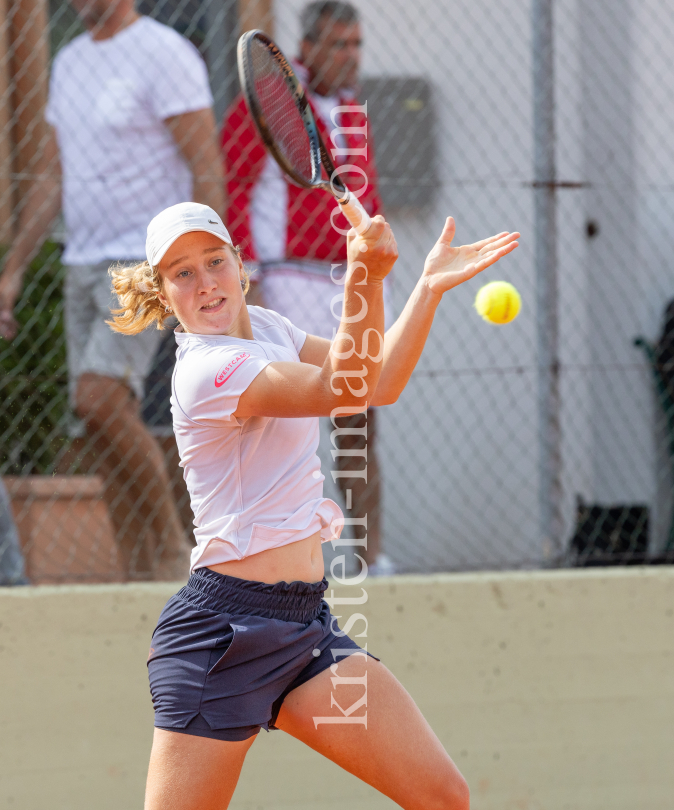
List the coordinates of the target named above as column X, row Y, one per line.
column 12, row 564
column 132, row 131
column 291, row 236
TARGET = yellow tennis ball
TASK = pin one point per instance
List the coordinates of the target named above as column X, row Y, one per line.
column 498, row 302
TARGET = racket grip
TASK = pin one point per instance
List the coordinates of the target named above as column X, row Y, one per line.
column 355, row 213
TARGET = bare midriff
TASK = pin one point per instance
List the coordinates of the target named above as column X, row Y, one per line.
column 301, row 561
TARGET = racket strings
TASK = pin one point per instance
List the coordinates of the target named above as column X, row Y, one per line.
column 280, row 111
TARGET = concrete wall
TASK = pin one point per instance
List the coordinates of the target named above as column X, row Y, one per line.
column 552, row 691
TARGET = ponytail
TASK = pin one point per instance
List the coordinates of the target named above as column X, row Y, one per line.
column 137, row 289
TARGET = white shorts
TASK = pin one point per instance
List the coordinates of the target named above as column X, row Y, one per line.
column 91, row 344
column 309, row 300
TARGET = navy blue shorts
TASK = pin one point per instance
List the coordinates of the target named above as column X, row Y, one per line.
column 227, row 651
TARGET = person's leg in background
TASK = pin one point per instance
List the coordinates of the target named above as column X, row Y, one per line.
column 156, row 414
column 12, row 566
column 106, row 373
column 362, row 498
column 137, row 472
column 181, row 496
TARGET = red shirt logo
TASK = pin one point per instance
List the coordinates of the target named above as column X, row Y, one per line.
column 227, row 370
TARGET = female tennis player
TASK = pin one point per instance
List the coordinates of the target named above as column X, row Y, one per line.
column 249, row 643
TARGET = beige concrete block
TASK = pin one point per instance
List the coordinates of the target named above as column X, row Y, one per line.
column 65, row 529
column 551, row 690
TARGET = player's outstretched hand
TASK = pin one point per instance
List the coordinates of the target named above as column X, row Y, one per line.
column 376, row 249
column 448, row 266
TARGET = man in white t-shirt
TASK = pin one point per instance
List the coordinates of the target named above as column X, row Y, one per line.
column 132, row 132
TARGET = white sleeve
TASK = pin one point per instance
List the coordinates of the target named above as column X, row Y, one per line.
column 207, row 387
column 180, row 79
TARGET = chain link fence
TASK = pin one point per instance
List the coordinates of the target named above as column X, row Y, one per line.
column 546, row 442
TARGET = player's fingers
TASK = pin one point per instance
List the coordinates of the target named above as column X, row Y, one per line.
column 473, row 269
column 469, row 271
column 448, row 231
column 388, row 239
column 495, row 255
column 502, row 239
column 378, row 244
column 393, row 246
column 376, row 230
column 373, row 241
column 387, row 244
column 498, row 241
column 378, row 236
column 479, row 245
column 377, row 227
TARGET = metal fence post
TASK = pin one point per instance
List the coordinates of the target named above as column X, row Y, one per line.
column 545, row 210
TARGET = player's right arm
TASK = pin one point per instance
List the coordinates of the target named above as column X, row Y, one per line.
column 348, row 376
column 39, row 209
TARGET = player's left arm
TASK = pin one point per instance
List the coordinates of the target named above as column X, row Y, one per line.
column 446, row 267
column 196, row 135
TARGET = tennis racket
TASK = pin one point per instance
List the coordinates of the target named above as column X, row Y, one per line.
column 279, row 107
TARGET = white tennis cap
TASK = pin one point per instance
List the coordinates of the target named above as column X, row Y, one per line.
column 173, row 222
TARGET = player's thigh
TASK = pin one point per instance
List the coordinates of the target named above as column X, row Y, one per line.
column 192, row 773
column 397, row 753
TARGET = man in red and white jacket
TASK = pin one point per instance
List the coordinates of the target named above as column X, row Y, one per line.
column 295, row 237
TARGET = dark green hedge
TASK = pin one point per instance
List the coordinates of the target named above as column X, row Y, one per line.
column 33, row 374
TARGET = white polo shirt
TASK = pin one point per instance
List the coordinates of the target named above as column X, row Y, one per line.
column 254, row 483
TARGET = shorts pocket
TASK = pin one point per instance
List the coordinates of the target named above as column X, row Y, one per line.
column 252, row 667
column 185, row 645
column 256, row 647
column 220, row 654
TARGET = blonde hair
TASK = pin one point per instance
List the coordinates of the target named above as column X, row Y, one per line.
column 137, row 288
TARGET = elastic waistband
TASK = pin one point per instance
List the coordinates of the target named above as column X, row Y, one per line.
column 288, row 601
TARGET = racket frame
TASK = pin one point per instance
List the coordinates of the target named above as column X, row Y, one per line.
column 320, row 157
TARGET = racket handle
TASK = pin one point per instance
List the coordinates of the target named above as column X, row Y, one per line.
column 355, row 213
